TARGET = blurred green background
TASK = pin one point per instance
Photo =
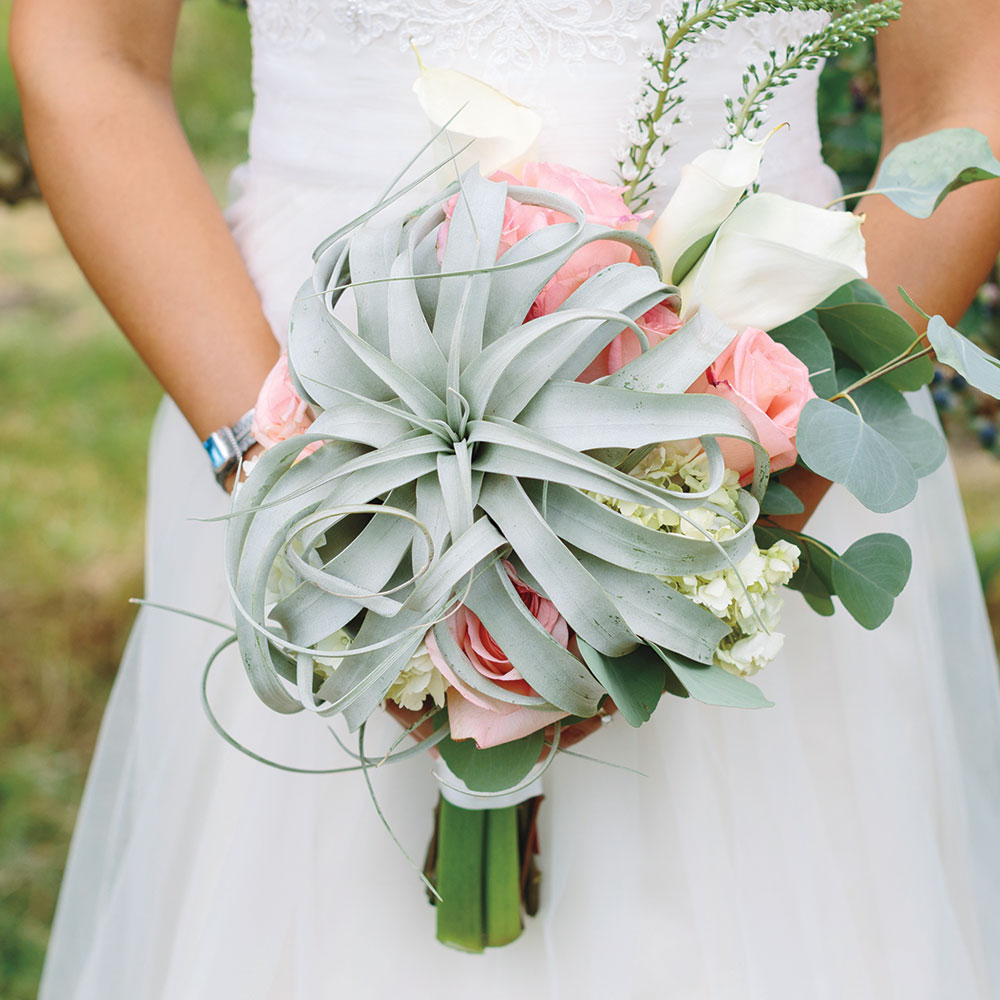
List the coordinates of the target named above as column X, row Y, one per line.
column 77, row 407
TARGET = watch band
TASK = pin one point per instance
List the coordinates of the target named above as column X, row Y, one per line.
column 227, row 445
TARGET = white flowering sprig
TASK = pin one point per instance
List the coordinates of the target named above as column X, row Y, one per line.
column 745, row 115
column 657, row 108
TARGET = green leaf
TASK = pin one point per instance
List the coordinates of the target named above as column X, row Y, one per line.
column 492, row 769
column 687, row 260
column 854, row 291
column 839, row 445
column 980, row 368
column 634, row 681
column 887, row 410
column 779, row 500
column 712, row 685
column 460, row 916
column 918, row 175
column 805, row 338
column 502, row 877
column 872, row 335
column 870, row 575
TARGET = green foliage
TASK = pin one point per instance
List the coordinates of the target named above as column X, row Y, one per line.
column 634, row 682
column 761, row 84
column 918, row 175
column 658, row 106
column 981, row 369
column 493, row 769
column 840, row 445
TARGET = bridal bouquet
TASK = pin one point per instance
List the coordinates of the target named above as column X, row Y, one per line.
column 524, row 464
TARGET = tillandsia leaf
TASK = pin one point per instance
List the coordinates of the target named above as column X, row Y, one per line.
column 635, row 682
column 840, row 445
column 309, row 614
column 412, row 345
column 320, row 363
column 872, row 335
column 473, row 241
column 675, row 363
column 957, row 351
column 590, row 612
column 593, row 527
column 515, row 289
column 601, row 416
column 472, row 678
column 554, row 673
column 807, row 340
column 374, row 249
column 918, row 175
column 712, row 685
column 657, row 613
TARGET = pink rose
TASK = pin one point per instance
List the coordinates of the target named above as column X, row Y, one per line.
column 487, row 720
column 279, row 413
column 770, row 385
column 602, row 204
column 657, row 324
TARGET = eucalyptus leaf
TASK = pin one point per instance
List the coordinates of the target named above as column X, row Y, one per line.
column 871, row 336
column 918, row 175
column 870, row 575
column 887, row 410
column 805, row 338
column 957, row 351
column 840, row 445
column 779, row 500
column 711, row 684
column 635, row 681
column 492, row 769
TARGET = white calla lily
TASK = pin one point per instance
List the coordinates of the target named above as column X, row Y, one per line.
column 504, row 131
column 710, row 187
column 774, row 259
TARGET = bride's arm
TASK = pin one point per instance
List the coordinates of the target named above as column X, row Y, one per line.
column 131, row 202
column 939, row 67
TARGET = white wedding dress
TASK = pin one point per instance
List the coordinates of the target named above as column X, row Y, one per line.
column 844, row 845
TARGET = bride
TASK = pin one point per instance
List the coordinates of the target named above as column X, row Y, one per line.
column 841, row 845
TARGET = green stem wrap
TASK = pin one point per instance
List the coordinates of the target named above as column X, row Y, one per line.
column 482, row 864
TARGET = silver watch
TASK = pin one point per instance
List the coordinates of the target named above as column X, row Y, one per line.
column 228, row 445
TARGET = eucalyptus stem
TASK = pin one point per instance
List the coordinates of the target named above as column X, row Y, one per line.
column 898, row 362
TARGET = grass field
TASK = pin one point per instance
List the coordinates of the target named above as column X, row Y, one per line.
column 76, row 411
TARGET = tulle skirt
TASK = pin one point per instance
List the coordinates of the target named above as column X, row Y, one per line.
column 843, row 844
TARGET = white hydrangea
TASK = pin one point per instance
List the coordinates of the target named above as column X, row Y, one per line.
column 746, row 596
column 420, row 679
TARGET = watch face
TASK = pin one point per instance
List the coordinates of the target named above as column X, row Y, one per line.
column 222, row 449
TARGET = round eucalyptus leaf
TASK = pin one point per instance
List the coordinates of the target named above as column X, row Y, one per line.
column 872, row 335
column 918, row 175
column 839, row 445
column 980, row 368
column 492, row 769
column 805, row 338
column 870, row 575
